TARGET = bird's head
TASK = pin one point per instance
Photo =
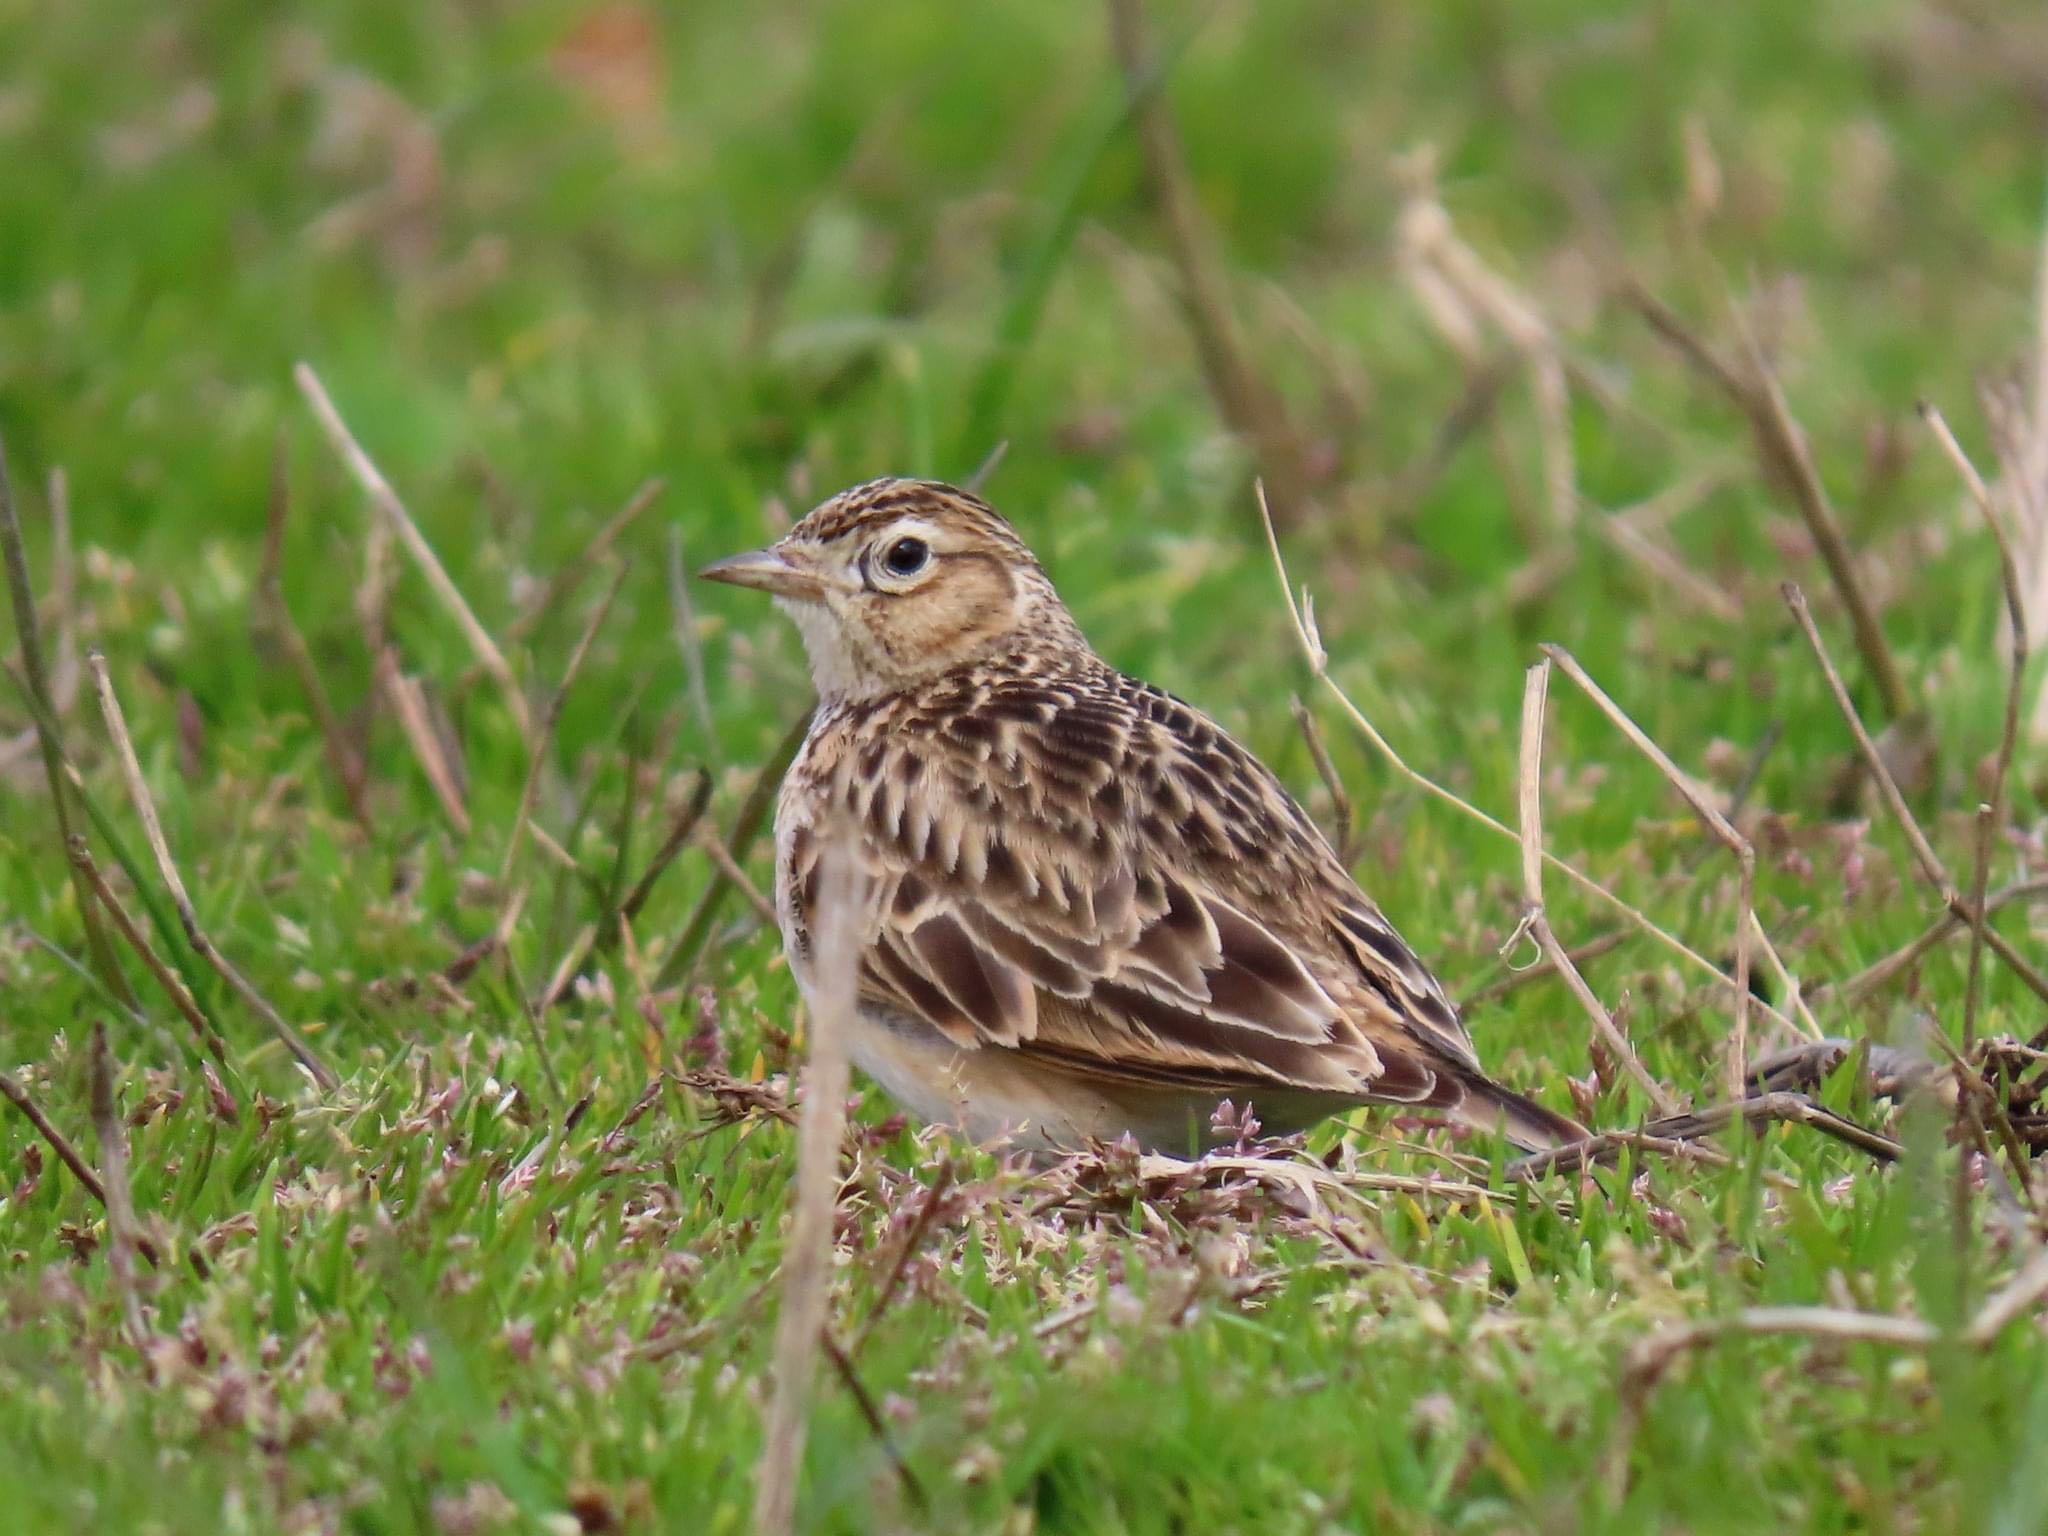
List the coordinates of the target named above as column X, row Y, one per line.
column 897, row 581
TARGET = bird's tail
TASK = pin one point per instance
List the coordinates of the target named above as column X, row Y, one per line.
column 1486, row 1106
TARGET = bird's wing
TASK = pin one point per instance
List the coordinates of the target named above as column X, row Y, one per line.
column 1098, row 876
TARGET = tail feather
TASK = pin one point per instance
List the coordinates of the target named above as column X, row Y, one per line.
column 1486, row 1106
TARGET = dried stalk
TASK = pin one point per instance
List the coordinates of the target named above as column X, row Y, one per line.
column 1788, row 462
column 1653, row 1356
column 1746, row 926
column 124, row 924
column 529, row 792
column 416, row 724
column 1340, row 798
column 1930, row 863
column 573, row 570
column 123, row 1235
column 145, row 809
column 386, row 501
column 746, row 827
column 342, row 761
column 1302, row 616
column 1991, row 816
column 807, row 1261
column 1247, row 402
column 37, row 691
column 1535, row 690
column 12, row 1090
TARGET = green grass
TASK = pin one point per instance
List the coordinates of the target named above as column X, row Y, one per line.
column 877, row 239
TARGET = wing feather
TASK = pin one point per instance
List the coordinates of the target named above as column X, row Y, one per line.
column 1085, row 876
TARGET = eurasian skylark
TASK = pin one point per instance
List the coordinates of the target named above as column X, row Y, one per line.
column 1090, row 912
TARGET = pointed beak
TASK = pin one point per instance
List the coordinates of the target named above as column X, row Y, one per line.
column 769, row 570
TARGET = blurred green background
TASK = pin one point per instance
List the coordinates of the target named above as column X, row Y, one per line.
column 541, row 252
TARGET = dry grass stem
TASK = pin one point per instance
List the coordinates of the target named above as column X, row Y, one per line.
column 1534, row 693
column 1462, row 296
column 145, row 809
column 1929, row 861
column 913, row 1240
column 1538, row 969
column 730, row 868
column 416, row 723
column 753, row 814
column 683, row 620
column 566, row 968
column 551, row 717
column 342, row 760
column 573, row 570
column 807, row 1261
column 386, row 501
column 1651, row 1358
column 38, row 695
column 1787, row 463
column 681, row 830
column 1340, row 798
column 1673, row 1131
column 1747, row 929
column 123, row 1235
column 12, row 1090
column 1247, row 402
column 1992, row 816
column 1944, row 927
column 1665, row 565
column 532, row 1015
column 1302, row 615
column 124, row 924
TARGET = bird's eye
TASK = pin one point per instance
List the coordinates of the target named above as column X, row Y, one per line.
column 906, row 557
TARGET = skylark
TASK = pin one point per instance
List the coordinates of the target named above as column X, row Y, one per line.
column 1089, row 911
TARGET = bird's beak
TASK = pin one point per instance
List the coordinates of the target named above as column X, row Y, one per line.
column 771, row 570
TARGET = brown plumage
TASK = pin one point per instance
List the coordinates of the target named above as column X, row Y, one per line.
column 1093, row 912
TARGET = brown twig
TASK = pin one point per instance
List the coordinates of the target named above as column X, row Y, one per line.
column 1247, row 402
column 386, row 501
column 124, row 924
column 145, row 809
column 1788, row 463
column 22, row 595
column 807, row 1260
column 1535, row 690
column 342, row 760
column 123, row 1235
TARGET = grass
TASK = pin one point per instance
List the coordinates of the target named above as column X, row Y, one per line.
column 538, row 255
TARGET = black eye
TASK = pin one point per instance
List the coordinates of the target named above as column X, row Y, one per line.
column 906, row 557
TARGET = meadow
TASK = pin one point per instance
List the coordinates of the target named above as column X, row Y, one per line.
column 453, row 1198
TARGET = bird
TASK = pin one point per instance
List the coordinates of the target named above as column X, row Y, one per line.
column 1087, row 912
